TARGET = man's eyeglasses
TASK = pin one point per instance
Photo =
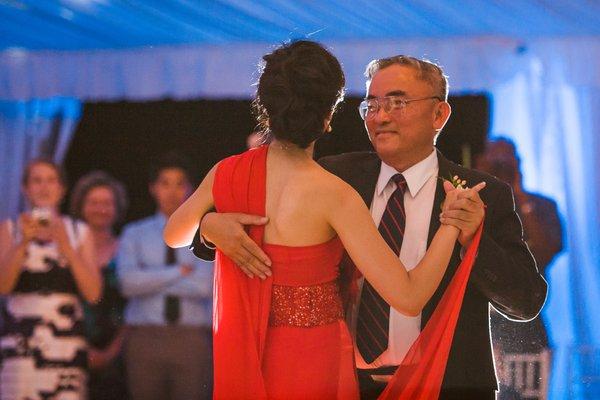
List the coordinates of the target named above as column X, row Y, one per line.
column 368, row 108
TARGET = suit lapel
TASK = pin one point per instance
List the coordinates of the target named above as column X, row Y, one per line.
column 365, row 178
column 443, row 172
column 446, row 170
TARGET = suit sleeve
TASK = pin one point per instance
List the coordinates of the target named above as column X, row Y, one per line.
column 331, row 164
column 201, row 249
column 543, row 231
column 505, row 271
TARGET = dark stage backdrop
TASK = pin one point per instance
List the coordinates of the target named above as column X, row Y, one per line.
column 125, row 138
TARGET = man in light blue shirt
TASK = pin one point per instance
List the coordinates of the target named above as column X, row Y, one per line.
column 169, row 291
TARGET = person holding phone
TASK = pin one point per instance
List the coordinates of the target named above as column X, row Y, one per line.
column 46, row 272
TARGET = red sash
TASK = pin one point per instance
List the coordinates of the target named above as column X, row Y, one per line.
column 423, row 367
column 239, row 333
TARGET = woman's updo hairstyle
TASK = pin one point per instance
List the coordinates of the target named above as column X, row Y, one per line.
column 300, row 85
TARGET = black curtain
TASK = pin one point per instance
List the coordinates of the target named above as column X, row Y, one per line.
column 125, row 138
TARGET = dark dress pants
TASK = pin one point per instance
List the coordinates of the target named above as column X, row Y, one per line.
column 370, row 390
column 169, row 363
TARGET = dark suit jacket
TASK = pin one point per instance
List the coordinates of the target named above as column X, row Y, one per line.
column 504, row 273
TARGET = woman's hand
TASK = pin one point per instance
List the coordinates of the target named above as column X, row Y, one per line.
column 29, row 227
column 32, row 229
column 451, row 195
column 58, row 233
column 463, row 209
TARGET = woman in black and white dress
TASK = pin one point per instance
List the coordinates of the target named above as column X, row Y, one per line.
column 46, row 271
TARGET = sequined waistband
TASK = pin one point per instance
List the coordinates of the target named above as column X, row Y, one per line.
column 306, row 306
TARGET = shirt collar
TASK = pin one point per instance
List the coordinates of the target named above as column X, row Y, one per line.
column 416, row 176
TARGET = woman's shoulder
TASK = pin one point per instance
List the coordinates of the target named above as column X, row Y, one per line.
column 77, row 230
column 78, row 225
column 245, row 155
column 239, row 162
column 332, row 185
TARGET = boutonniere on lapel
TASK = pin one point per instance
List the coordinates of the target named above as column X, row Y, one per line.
column 456, row 181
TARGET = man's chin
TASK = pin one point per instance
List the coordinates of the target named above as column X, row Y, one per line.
column 387, row 150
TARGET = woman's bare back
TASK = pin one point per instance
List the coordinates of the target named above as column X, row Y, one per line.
column 300, row 195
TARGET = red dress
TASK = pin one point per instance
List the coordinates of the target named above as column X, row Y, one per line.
column 308, row 350
column 284, row 337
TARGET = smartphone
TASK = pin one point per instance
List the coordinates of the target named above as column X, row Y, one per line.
column 42, row 215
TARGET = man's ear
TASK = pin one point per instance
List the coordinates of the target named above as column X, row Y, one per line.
column 442, row 114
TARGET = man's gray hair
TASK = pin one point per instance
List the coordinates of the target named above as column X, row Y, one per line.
column 427, row 71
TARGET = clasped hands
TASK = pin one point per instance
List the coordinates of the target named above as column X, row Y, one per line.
column 463, row 208
column 52, row 229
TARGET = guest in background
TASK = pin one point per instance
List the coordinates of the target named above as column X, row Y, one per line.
column 46, row 269
column 543, row 233
column 101, row 201
column 168, row 348
column 255, row 139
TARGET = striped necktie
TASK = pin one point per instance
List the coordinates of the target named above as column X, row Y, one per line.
column 372, row 329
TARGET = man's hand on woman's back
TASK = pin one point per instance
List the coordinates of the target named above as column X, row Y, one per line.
column 227, row 232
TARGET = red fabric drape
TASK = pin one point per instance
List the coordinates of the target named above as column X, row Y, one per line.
column 424, row 365
column 239, row 333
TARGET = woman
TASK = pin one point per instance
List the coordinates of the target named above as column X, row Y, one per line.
column 46, row 270
column 101, row 201
column 290, row 337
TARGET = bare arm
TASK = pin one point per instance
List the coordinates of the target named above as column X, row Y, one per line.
column 100, row 358
column 81, row 260
column 184, row 222
column 12, row 256
column 407, row 292
column 226, row 231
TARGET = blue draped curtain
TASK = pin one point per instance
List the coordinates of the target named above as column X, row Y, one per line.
column 29, row 129
column 546, row 96
column 553, row 118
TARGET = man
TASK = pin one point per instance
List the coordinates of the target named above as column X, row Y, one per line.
column 543, row 234
column 404, row 111
column 168, row 349
column 542, row 228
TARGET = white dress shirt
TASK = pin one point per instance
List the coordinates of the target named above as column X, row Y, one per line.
column 418, row 202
